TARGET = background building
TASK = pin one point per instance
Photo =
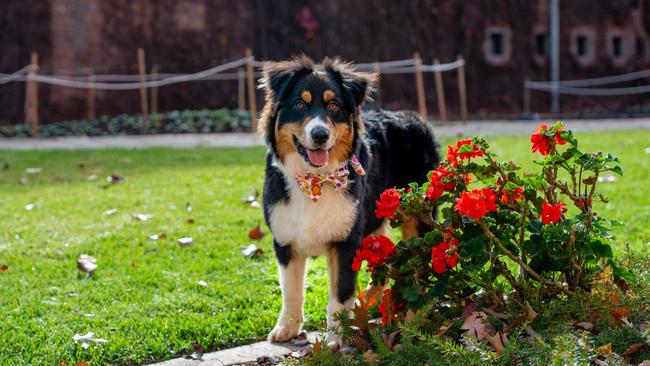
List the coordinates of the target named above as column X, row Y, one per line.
column 504, row 42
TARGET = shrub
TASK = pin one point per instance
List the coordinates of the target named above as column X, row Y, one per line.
column 187, row 121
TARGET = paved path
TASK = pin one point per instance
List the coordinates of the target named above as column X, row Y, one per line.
column 488, row 127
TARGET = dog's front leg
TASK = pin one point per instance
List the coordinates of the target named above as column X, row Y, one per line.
column 292, row 280
column 341, row 291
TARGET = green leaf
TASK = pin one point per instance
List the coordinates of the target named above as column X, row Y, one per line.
column 617, row 169
column 472, row 248
column 602, row 250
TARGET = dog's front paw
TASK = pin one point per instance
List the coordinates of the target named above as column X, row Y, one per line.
column 285, row 331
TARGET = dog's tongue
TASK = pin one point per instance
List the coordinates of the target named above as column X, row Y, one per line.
column 318, row 157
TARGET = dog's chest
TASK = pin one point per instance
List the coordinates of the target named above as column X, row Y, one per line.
column 310, row 226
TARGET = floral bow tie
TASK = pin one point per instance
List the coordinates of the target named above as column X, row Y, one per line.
column 312, row 184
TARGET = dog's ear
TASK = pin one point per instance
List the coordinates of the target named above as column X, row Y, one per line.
column 278, row 77
column 358, row 86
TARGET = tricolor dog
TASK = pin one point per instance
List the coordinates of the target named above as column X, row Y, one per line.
column 327, row 164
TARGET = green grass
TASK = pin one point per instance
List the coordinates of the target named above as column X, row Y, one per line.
column 144, row 298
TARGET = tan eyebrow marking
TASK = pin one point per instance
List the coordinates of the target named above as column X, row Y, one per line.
column 306, row 96
column 328, row 95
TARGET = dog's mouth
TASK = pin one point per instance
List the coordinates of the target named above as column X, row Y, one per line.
column 315, row 157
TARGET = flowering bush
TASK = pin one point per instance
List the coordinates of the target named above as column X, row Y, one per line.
column 534, row 234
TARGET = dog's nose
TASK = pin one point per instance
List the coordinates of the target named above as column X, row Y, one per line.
column 320, row 135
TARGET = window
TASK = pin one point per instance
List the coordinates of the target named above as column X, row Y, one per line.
column 496, row 44
column 541, row 44
column 617, row 46
column 639, row 46
column 581, row 46
column 497, row 47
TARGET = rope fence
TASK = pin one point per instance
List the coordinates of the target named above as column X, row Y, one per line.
column 246, row 68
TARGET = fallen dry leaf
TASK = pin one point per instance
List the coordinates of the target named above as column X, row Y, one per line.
column 141, row 217
column 198, row 352
column 162, row 236
column 301, row 353
column 632, row 349
column 475, row 326
column 390, row 340
column 33, row 170
column 190, row 221
column 134, row 264
column 87, row 264
column 585, row 325
column 502, row 316
column 300, row 340
column 185, row 242
column 114, row 178
column 251, row 250
column 318, row 346
column 604, row 349
column 6, row 166
column 82, row 165
column 87, row 339
column 4, row 268
column 23, row 180
column 498, row 341
column 256, row 233
column 81, row 363
column 370, row 357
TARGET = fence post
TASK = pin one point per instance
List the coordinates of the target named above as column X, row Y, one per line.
column 241, row 89
column 154, row 94
column 440, row 92
column 526, row 96
column 419, row 85
column 90, row 98
column 143, row 93
column 31, row 96
column 252, row 102
column 377, row 70
column 462, row 90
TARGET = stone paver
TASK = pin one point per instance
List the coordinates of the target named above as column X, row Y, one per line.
column 243, row 354
column 486, row 127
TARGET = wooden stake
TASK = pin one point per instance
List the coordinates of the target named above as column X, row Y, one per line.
column 419, row 85
column 241, row 89
column 462, row 90
column 377, row 69
column 31, row 96
column 90, row 98
column 143, row 93
column 440, row 92
column 252, row 102
column 154, row 94
column 526, row 96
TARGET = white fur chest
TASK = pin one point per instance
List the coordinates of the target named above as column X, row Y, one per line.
column 310, row 226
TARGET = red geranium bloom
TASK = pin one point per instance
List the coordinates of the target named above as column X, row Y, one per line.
column 453, row 152
column 388, row 308
column 542, row 143
column 387, row 204
column 552, row 213
column 476, row 203
column 374, row 250
column 517, row 194
column 437, row 186
column 445, row 255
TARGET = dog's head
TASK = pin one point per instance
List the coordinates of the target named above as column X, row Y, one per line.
column 311, row 116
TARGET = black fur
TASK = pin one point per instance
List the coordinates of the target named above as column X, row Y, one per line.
column 396, row 148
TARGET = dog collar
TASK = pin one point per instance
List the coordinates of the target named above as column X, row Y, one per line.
column 312, row 184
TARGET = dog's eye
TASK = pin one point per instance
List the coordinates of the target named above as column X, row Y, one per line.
column 332, row 107
column 300, row 105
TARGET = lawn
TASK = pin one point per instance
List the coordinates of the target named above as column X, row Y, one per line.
column 145, row 297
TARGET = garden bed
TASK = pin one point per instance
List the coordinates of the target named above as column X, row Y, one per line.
column 186, row 121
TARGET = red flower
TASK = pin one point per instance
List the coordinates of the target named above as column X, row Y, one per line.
column 387, row 308
column 439, row 183
column 552, row 213
column 581, row 203
column 387, row 204
column 374, row 250
column 445, row 255
column 476, row 203
column 517, row 194
column 453, row 152
column 542, row 143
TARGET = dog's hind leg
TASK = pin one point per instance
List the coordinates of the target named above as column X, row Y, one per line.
column 341, row 291
column 292, row 280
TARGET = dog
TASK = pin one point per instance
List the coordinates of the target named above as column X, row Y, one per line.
column 327, row 163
